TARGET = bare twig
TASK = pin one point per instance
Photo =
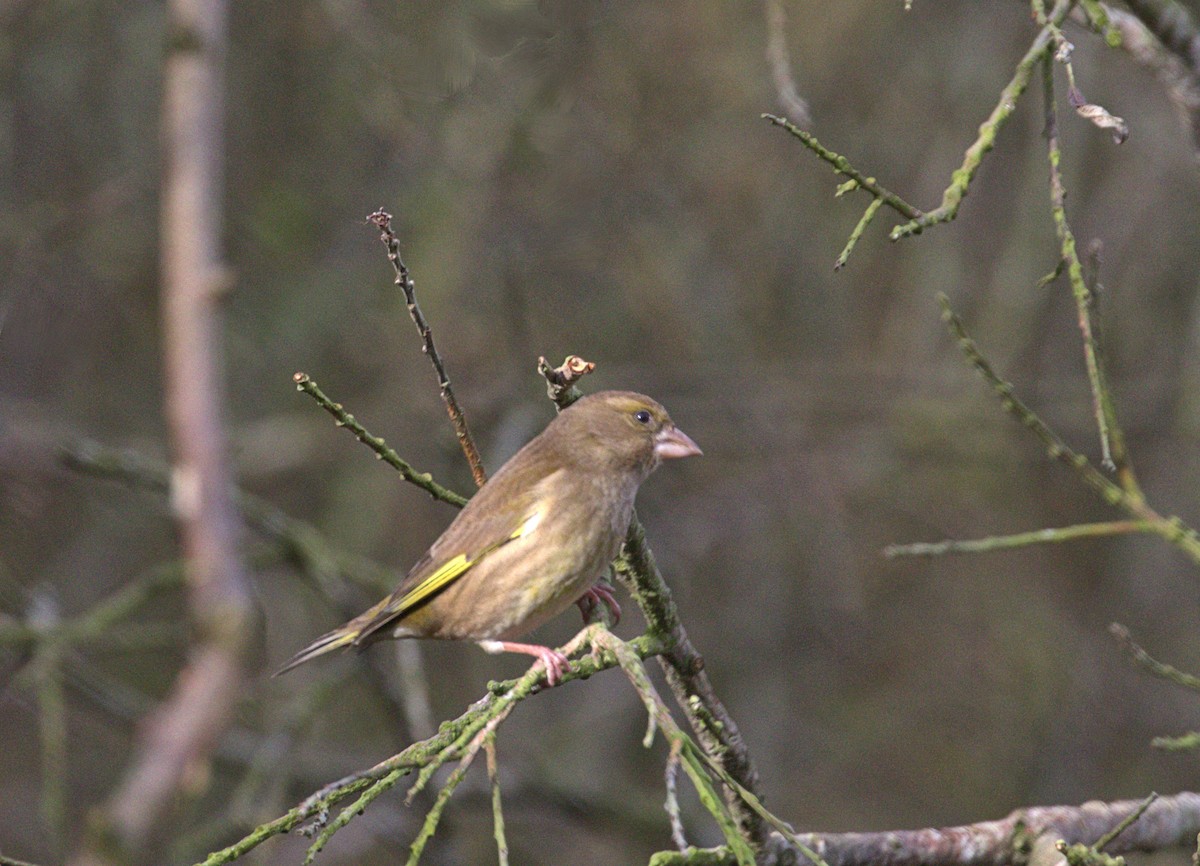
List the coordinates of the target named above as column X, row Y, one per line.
column 1143, row 658
column 493, row 769
column 1107, row 839
column 852, row 242
column 842, row 166
column 560, row 380
column 383, row 221
column 1112, row 439
column 1020, row 539
column 344, row 419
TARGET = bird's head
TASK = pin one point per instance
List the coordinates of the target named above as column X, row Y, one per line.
column 624, row 430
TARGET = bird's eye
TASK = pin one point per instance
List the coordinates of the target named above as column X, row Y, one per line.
column 642, row 415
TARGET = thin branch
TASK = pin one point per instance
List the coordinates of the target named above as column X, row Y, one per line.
column 299, row 539
column 1173, row 529
column 1107, row 839
column 344, row 419
column 1143, row 658
column 671, row 773
column 988, row 130
column 1102, row 403
column 1020, row 539
column 493, row 769
column 388, row 772
column 429, row 827
column 864, row 221
column 383, row 221
column 842, row 166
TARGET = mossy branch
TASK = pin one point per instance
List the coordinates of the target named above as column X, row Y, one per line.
column 961, row 178
column 451, row 737
column 683, row 666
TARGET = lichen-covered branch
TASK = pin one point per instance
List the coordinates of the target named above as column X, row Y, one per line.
column 990, row 128
column 422, row 754
column 714, row 727
column 1169, row 822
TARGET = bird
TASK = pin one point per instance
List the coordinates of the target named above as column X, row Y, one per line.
column 533, row 540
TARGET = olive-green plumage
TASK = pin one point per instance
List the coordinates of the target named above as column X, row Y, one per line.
column 534, row 539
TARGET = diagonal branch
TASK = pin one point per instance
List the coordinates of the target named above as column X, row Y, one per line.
column 988, row 130
column 683, row 666
column 383, row 221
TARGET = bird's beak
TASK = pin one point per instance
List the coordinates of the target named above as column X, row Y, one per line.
column 672, row 442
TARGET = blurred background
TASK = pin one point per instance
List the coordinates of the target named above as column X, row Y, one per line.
column 595, row 178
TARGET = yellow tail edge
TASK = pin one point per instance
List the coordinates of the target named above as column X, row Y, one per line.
column 336, row 639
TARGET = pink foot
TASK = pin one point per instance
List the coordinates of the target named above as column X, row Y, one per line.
column 556, row 663
column 599, row 594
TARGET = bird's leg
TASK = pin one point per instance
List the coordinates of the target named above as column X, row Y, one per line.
column 600, row 593
column 556, row 663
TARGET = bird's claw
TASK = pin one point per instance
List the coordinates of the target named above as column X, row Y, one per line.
column 593, row 598
column 556, row 665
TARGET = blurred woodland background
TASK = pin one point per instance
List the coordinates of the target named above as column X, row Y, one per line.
column 595, row 178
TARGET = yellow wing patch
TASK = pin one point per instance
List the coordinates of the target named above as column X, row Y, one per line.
column 437, row 581
column 449, row 571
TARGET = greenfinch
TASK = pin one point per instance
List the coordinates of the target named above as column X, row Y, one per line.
column 534, row 540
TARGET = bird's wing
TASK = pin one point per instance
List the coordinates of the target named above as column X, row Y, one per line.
column 464, row 545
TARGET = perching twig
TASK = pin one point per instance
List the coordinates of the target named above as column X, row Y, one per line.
column 387, row 773
column 383, row 221
column 683, row 666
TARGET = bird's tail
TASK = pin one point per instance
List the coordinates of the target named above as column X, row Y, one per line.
column 336, row 639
